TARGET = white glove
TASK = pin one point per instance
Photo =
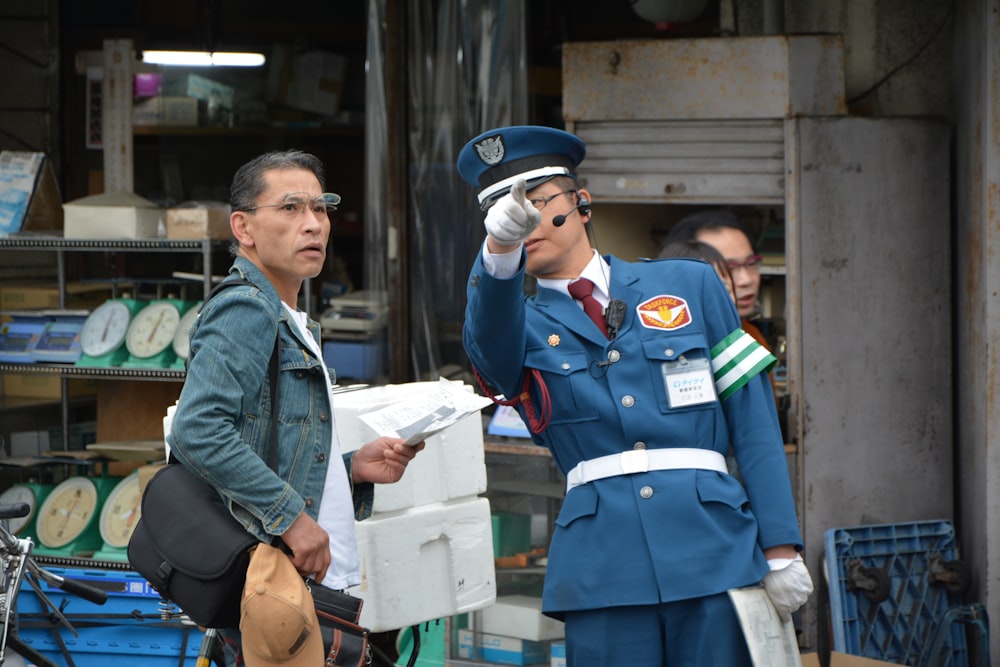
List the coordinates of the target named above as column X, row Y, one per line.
column 788, row 584
column 512, row 218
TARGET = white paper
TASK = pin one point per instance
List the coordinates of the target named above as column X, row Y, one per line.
column 417, row 418
column 771, row 642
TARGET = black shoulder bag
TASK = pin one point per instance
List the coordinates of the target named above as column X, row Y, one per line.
column 187, row 544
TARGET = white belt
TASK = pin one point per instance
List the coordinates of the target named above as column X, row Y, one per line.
column 644, row 460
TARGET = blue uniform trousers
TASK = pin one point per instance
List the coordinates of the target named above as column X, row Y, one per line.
column 700, row 632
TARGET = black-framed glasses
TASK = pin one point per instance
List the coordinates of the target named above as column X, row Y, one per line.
column 295, row 205
column 752, row 263
column 540, row 202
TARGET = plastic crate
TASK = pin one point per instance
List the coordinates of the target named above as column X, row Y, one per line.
column 894, row 561
column 126, row 631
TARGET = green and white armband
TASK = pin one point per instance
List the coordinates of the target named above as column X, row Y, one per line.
column 736, row 359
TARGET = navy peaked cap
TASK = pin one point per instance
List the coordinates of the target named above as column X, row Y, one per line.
column 495, row 159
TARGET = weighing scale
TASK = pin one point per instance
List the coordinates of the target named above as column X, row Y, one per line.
column 68, row 520
column 119, row 515
column 182, row 339
column 34, row 495
column 18, row 338
column 102, row 339
column 60, row 341
column 150, row 336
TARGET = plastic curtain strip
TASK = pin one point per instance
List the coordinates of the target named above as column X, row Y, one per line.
column 466, row 73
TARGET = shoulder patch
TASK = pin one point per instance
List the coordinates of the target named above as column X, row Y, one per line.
column 664, row 312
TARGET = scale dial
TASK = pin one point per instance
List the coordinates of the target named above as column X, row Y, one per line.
column 182, row 339
column 121, row 512
column 67, row 512
column 20, row 493
column 105, row 328
column 152, row 329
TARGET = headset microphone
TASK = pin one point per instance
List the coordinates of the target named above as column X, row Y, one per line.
column 583, row 207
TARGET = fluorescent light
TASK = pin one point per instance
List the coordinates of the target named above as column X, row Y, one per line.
column 236, row 59
column 203, row 58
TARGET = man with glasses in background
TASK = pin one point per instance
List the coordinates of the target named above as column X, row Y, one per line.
column 723, row 231
column 221, row 431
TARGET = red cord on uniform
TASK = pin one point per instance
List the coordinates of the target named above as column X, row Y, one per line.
column 535, row 423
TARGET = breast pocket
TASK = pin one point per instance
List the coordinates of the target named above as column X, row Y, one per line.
column 669, row 354
column 567, row 381
column 301, row 378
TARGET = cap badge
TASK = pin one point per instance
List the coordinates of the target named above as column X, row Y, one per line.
column 491, row 150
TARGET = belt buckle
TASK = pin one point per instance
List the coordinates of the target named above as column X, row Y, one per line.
column 635, row 460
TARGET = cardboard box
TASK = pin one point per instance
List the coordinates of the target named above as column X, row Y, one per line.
column 557, row 654
column 112, row 215
column 166, row 111
column 520, row 616
column 47, row 386
column 197, row 87
column 194, row 220
column 38, row 296
column 499, row 649
column 311, row 81
column 29, row 194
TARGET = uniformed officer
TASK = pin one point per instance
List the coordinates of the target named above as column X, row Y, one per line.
column 638, row 396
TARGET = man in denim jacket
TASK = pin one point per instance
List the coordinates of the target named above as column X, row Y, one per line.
column 280, row 223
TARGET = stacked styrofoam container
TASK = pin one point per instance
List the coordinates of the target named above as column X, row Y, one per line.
column 427, row 550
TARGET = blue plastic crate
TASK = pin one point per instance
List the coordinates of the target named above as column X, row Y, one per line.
column 117, row 646
column 130, row 597
column 126, row 631
column 900, row 628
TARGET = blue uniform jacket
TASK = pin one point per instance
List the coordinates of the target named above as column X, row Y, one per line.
column 650, row 537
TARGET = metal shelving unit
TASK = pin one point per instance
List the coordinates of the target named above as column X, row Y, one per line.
column 60, row 246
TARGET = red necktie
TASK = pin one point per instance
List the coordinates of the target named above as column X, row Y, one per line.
column 583, row 291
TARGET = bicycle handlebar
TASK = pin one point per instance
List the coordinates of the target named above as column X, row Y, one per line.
column 85, row 591
column 14, row 510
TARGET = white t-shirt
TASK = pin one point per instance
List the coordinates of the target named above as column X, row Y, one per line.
column 336, row 511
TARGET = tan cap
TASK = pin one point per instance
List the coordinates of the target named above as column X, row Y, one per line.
column 277, row 615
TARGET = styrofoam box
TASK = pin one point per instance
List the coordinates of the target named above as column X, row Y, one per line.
column 520, row 616
column 112, row 215
column 425, row 563
column 502, row 650
column 451, row 466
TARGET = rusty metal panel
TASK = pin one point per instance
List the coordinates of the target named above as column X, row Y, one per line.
column 684, row 161
column 775, row 76
column 870, row 343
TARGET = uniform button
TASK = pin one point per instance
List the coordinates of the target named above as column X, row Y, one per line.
column 646, row 492
column 669, row 352
column 639, row 445
column 310, row 502
column 565, row 366
column 323, row 416
column 628, row 401
column 321, row 457
column 614, row 355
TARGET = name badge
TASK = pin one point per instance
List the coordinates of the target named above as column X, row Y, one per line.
column 688, row 382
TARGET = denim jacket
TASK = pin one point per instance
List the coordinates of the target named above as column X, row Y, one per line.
column 223, row 420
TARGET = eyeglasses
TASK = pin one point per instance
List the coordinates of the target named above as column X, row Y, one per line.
column 294, row 206
column 752, row 264
column 540, row 202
